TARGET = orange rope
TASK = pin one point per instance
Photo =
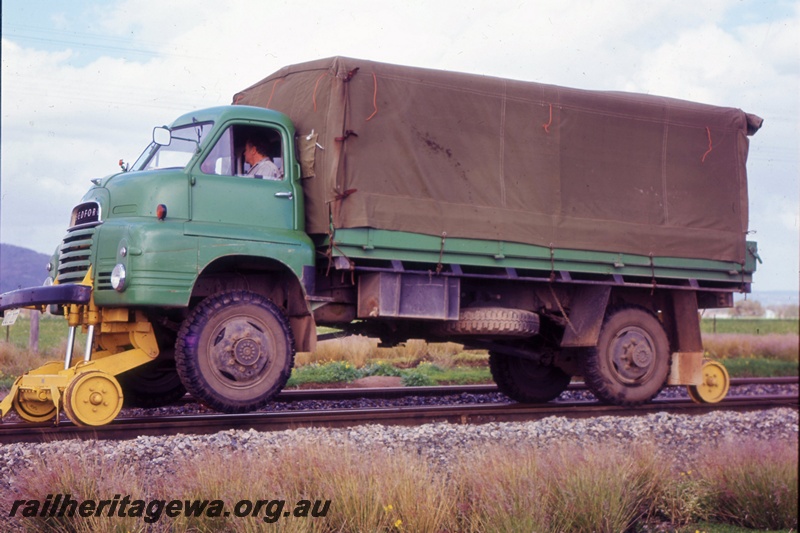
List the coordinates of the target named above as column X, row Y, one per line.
column 374, row 97
column 314, row 98
column 273, row 91
column 710, row 147
column 547, row 126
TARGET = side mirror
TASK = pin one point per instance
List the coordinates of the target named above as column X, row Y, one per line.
column 162, row 136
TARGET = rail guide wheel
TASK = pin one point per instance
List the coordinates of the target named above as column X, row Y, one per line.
column 715, row 386
column 33, row 410
column 92, row 398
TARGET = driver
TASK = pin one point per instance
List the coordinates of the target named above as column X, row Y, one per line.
column 261, row 166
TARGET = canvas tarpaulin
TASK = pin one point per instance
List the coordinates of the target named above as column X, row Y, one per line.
column 433, row 152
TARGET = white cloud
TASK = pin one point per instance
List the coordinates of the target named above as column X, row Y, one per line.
column 69, row 115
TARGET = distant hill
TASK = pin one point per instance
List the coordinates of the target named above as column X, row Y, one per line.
column 21, row 267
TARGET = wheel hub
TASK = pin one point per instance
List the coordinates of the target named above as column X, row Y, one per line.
column 633, row 355
column 241, row 351
column 639, row 355
column 246, row 351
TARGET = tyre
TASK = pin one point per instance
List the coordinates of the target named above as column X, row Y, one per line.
column 527, row 381
column 630, row 364
column 492, row 321
column 235, row 351
column 154, row 384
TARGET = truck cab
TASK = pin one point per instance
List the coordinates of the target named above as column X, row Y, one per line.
column 145, row 247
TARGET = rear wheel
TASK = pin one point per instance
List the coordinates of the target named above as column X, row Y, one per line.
column 527, row 381
column 630, row 364
column 235, row 351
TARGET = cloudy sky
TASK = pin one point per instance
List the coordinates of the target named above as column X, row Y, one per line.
column 84, row 82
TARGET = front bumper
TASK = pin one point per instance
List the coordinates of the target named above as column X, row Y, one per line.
column 41, row 296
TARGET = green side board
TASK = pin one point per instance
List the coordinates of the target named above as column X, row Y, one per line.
column 384, row 245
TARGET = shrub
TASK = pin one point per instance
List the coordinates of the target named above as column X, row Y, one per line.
column 417, row 378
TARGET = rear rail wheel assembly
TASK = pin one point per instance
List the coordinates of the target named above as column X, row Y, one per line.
column 715, row 386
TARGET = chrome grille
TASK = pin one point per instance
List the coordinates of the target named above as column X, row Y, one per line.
column 74, row 256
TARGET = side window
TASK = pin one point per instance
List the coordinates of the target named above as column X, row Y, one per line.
column 249, row 151
column 262, row 152
column 220, row 160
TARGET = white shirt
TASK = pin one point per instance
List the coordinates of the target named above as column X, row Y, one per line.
column 265, row 169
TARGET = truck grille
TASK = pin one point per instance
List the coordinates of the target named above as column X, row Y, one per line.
column 74, row 256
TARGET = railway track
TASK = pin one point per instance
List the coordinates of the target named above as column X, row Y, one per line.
column 126, row 428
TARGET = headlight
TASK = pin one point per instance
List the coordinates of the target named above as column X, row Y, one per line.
column 48, row 281
column 118, row 277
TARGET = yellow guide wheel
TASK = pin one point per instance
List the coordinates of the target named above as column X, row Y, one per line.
column 93, row 398
column 716, row 383
column 33, row 410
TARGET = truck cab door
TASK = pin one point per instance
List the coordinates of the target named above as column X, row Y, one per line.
column 226, row 202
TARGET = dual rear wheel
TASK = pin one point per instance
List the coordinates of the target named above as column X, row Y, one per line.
column 629, row 366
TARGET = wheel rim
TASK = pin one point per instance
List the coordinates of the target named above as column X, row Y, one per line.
column 239, row 350
column 34, row 410
column 93, row 399
column 715, row 386
column 632, row 354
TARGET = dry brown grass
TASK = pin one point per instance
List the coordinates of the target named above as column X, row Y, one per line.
column 782, row 347
column 359, row 351
column 604, row 487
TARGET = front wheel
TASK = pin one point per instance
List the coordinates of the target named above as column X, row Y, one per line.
column 630, row 364
column 235, row 351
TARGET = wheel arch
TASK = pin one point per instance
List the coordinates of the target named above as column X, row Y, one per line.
column 268, row 277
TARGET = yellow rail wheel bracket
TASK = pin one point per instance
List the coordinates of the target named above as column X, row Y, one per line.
column 715, row 386
column 92, row 398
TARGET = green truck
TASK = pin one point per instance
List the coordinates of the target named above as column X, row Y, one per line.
column 568, row 232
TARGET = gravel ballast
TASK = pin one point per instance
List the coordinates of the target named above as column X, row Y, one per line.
column 676, row 434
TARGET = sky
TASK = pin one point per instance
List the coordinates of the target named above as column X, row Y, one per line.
column 84, row 82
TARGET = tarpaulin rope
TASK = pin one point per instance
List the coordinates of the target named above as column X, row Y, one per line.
column 552, row 263
column 374, row 97
column 273, row 92
column 547, row 126
column 441, row 253
column 314, row 96
column 652, row 274
column 332, row 246
column 351, row 74
column 561, row 308
column 710, row 146
column 347, row 133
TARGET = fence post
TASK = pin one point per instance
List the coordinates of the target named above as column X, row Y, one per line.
column 33, row 342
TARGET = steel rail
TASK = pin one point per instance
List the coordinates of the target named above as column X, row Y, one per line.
column 296, row 395
column 126, row 428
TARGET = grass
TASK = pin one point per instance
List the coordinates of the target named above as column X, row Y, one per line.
column 750, row 326
column 602, row 487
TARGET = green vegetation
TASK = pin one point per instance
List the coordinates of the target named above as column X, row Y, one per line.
column 750, row 326
column 760, row 368
column 493, row 487
column 424, row 374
